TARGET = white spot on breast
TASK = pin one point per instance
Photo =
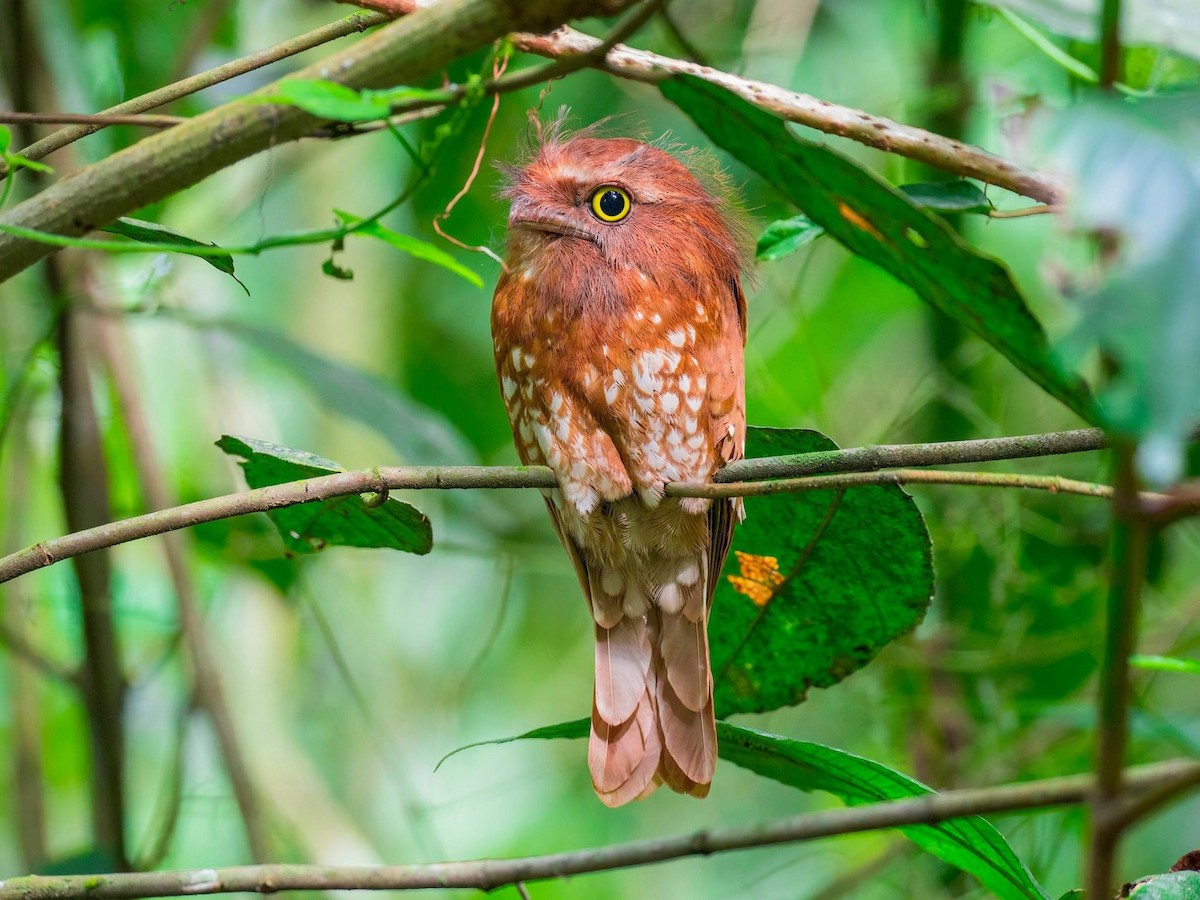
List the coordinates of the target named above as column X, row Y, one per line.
column 685, row 383
column 610, row 393
column 701, row 381
column 556, row 402
column 688, row 573
column 510, row 387
column 656, row 319
column 638, row 315
column 674, row 436
column 562, row 428
column 528, row 359
column 669, row 402
column 676, row 337
column 689, row 424
column 516, row 358
column 700, row 313
column 694, row 401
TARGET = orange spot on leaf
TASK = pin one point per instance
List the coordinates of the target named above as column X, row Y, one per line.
column 759, row 579
column 858, row 220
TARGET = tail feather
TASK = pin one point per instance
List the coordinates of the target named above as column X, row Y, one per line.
column 652, row 715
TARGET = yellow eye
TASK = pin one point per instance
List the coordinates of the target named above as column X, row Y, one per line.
column 610, row 204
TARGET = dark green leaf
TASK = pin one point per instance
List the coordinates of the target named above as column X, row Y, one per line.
column 1172, row 886
column 330, row 100
column 969, row 843
column 412, row 246
column 333, row 270
column 948, row 196
column 1134, row 164
column 343, row 521
column 153, row 233
column 785, row 237
column 852, row 572
column 878, row 222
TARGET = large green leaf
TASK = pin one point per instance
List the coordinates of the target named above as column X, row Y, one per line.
column 969, row 843
column 1172, row 886
column 345, row 521
column 817, row 583
column 878, row 222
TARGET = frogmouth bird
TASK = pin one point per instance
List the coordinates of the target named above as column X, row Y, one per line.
column 618, row 328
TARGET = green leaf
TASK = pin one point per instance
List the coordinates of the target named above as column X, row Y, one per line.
column 342, row 521
column 948, row 196
column 785, row 237
column 1165, row 664
column 878, row 222
column 153, row 233
column 1172, row 886
column 1138, row 183
column 330, row 100
column 969, row 843
column 851, row 572
column 411, row 245
column 333, row 270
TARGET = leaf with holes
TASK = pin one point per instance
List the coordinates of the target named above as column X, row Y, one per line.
column 1172, row 886
column 817, row 583
column 880, row 223
column 342, row 521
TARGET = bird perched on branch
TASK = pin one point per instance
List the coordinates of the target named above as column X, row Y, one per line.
column 618, row 328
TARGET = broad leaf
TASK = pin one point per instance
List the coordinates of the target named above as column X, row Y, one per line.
column 786, row 236
column 345, row 521
column 412, row 246
column 969, row 843
column 153, row 233
column 1138, row 181
column 877, row 221
column 816, row 584
column 1172, row 886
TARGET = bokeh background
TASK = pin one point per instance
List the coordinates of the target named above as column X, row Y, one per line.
column 351, row 673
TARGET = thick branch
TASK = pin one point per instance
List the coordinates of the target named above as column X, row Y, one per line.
column 404, row 52
column 465, row 477
column 493, row 873
column 874, row 131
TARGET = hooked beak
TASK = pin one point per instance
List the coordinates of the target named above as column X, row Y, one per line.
column 551, row 224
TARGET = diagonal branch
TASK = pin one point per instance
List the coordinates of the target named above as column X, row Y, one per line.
column 324, row 487
column 875, row 131
column 489, row 874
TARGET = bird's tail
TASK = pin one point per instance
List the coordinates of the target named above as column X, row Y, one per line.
column 652, row 710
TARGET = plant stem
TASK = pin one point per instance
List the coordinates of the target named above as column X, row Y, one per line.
column 1130, row 542
column 1110, row 44
column 489, row 874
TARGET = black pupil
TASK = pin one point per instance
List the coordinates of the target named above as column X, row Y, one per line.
column 612, row 203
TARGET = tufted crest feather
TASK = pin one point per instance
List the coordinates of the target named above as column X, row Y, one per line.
column 618, row 343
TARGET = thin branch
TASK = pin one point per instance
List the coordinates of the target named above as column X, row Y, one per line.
column 352, row 24
column 403, row 52
column 493, row 873
column 99, row 119
column 874, row 131
column 207, row 685
column 21, row 649
column 1130, row 546
column 1110, row 44
column 1052, row 483
column 502, row 477
column 690, row 50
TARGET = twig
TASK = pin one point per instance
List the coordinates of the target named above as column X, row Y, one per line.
column 198, row 82
column 171, row 799
column 690, row 50
column 206, row 676
column 403, row 52
column 490, row 874
column 874, row 131
column 1110, row 44
column 99, row 119
column 1044, row 209
column 498, row 477
column 16, row 644
column 1130, row 544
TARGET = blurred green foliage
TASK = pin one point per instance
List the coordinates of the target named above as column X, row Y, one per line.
column 351, row 672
